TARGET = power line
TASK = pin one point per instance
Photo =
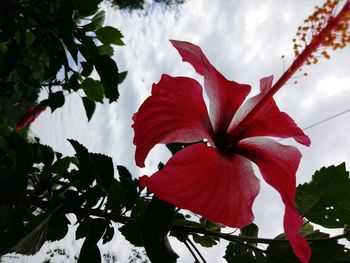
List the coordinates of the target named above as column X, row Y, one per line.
column 325, row 120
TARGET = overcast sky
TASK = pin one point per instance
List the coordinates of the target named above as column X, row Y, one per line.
column 244, row 40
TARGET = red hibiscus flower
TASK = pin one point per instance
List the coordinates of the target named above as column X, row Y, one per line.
column 31, row 114
column 216, row 180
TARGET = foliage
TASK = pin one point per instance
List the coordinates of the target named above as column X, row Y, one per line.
column 326, row 199
column 141, row 4
column 54, row 46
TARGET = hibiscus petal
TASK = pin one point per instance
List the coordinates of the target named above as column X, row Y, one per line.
column 219, row 187
column 225, row 96
column 278, row 164
column 269, row 120
column 175, row 112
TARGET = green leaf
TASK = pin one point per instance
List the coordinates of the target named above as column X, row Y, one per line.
column 155, row 228
column 104, row 169
column 251, row 230
column 87, row 8
column 30, row 38
column 96, row 22
column 322, row 251
column 87, row 170
column 108, row 71
column 240, row 253
column 205, row 241
column 110, row 35
column 129, row 186
column 93, row 89
column 115, row 197
column 89, row 106
column 106, row 50
column 326, row 199
column 121, row 76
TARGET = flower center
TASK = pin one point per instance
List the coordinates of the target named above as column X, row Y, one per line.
column 224, row 144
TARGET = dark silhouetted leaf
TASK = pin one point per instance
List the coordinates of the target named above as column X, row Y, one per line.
column 89, row 253
column 87, row 8
column 58, row 227
column 87, row 68
column 132, row 230
column 155, row 228
column 108, row 71
column 73, row 81
column 322, row 251
column 55, row 100
column 88, row 48
column 43, row 154
column 326, row 199
column 129, row 186
column 62, row 165
column 110, row 35
column 104, row 169
column 31, row 243
column 87, row 168
column 251, row 230
column 115, row 197
column 89, row 107
column 237, row 252
column 92, row 229
column 240, row 253
column 108, row 235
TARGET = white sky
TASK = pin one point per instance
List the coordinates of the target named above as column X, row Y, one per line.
column 245, row 41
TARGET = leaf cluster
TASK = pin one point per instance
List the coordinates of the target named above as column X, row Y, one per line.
column 55, row 46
